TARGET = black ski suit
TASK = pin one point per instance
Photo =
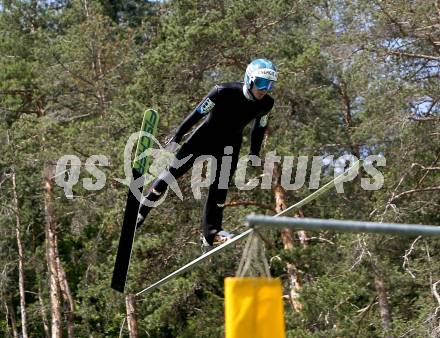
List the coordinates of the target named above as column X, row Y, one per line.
column 227, row 111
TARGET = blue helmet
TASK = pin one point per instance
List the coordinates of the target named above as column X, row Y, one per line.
column 260, row 73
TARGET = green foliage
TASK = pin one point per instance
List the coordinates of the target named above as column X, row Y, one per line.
column 355, row 77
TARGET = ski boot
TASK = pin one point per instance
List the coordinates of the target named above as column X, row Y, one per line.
column 220, row 237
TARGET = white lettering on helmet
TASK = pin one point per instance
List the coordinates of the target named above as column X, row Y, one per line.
column 265, row 73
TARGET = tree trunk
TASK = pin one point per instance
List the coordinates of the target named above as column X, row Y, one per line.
column 6, row 317
column 347, row 111
column 51, row 244
column 287, row 238
column 131, row 316
column 384, row 307
column 96, row 55
column 10, row 320
column 67, row 296
column 10, row 312
column 43, row 312
column 302, row 234
column 20, row 259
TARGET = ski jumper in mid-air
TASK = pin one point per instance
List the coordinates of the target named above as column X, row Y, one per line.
column 226, row 110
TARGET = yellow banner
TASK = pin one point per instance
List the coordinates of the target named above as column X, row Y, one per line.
column 253, row 308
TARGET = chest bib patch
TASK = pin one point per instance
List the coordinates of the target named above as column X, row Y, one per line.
column 206, row 106
column 263, row 120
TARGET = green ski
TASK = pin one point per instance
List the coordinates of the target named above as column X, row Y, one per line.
column 139, row 169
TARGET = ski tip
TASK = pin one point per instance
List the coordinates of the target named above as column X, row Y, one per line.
column 118, row 286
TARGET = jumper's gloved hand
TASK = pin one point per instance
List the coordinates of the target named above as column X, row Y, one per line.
column 139, row 221
column 253, row 166
column 248, row 173
column 164, row 157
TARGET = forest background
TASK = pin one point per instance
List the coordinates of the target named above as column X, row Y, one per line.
column 355, row 77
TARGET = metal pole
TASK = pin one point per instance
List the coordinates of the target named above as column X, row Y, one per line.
column 315, row 224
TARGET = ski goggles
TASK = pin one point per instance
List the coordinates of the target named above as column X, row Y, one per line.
column 263, row 84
